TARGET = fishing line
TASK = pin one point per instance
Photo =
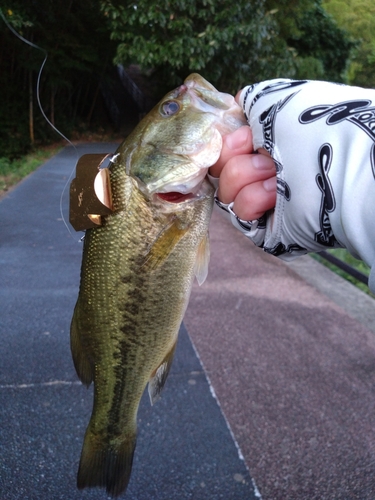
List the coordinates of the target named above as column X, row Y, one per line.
column 33, row 45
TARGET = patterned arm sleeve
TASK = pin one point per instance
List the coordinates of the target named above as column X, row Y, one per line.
column 322, row 139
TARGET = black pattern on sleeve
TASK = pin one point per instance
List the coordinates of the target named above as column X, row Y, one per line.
column 328, row 203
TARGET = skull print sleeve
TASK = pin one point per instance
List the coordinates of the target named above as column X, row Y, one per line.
column 321, row 137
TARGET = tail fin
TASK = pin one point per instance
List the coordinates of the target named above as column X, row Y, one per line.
column 106, row 466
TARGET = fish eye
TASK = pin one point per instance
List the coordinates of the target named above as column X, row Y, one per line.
column 169, row 108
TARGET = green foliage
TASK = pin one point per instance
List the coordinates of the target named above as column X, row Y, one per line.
column 323, row 48
column 77, row 40
column 288, row 13
column 12, row 171
column 231, row 43
column 318, row 47
column 345, row 256
column 226, row 40
column 358, row 18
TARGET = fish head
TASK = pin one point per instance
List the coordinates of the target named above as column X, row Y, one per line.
column 170, row 151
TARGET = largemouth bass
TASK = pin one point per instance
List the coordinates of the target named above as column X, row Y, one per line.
column 139, row 265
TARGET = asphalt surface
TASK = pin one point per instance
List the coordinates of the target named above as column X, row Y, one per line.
column 288, row 351
column 184, row 450
column 293, row 371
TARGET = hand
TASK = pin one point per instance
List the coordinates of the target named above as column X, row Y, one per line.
column 247, row 178
column 324, row 155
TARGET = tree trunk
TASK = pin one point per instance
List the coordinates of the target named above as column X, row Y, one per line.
column 52, row 118
column 89, row 116
column 31, row 108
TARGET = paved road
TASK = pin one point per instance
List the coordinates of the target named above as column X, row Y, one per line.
column 293, row 371
column 184, row 450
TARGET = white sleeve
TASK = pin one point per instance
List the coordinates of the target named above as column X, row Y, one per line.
column 322, row 138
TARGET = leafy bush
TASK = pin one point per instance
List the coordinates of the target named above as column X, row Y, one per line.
column 12, row 171
column 345, row 256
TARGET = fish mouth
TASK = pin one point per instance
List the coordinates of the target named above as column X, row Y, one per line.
column 175, row 196
column 184, row 185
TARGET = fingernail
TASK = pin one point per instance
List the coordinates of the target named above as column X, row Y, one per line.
column 270, row 184
column 237, row 138
column 262, row 162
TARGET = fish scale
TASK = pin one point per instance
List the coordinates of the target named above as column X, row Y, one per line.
column 138, row 268
column 129, row 327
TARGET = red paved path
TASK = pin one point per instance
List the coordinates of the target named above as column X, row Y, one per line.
column 294, row 374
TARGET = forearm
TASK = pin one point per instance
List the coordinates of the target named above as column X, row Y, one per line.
column 321, row 137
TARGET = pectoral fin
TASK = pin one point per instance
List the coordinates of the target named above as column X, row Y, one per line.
column 202, row 260
column 164, row 244
column 158, row 378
